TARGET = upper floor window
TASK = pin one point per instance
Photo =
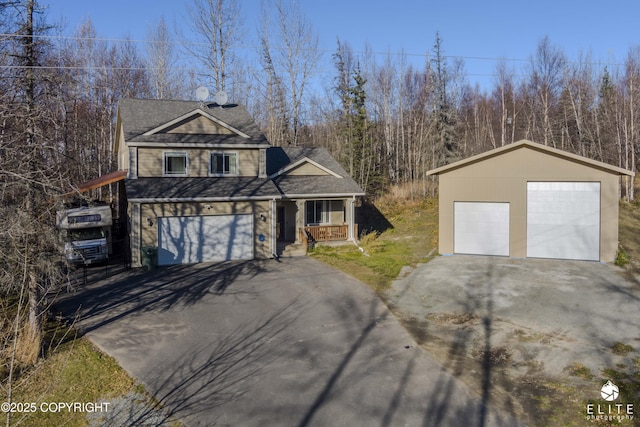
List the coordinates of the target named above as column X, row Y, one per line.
column 224, row 164
column 176, row 164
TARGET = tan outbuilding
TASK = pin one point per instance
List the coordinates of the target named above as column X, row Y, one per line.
column 529, row 200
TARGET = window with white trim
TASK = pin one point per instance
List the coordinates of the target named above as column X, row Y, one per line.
column 318, row 212
column 176, row 164
column 223, row 164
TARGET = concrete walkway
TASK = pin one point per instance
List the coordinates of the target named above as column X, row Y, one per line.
column 291, row 343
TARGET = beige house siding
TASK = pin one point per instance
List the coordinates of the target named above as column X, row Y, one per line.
column 151, row 161
column 145, row 214
column 336, row 213
column 307, row 169
column 504, row 178
column 199, row 125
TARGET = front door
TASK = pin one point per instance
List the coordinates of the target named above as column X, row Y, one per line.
column 280, row 223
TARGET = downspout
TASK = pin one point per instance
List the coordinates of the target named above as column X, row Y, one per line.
column 274, row 247
column 352, row 219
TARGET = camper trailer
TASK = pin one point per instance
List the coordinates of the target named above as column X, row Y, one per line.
column 86, row 233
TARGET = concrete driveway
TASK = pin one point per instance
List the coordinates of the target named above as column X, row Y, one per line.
column 508, row 326
column 292, row 343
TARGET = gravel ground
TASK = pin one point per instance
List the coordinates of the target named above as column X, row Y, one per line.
column 549, row 311
column 516, row 328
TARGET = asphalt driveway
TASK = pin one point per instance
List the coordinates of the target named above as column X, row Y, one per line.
column 518, row 324
column 292, row 343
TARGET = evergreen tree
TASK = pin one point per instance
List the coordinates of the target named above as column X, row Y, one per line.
column 444, row 114
column 360, row 150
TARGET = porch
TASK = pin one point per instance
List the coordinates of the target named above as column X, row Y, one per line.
column 328, row 233
column 303, row 223
column 311, row 235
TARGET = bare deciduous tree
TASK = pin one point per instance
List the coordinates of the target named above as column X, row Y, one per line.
column 547, row 69
column 217, row 26
column 161, row 60
column 31, row 176
column 291, row 45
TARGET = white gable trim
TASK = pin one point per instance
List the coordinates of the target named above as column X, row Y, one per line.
column 294, row 165
column 200, row 112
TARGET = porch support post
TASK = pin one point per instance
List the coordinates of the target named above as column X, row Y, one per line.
column 300, row 215
column 135, row 228
column 352, row 211
column 273, row 237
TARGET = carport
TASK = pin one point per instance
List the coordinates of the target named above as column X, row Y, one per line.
column 529, row 200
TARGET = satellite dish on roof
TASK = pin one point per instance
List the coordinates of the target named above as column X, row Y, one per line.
column 221, row 98
column 202, row 93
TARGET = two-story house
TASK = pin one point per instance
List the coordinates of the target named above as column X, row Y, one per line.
column 204, row 184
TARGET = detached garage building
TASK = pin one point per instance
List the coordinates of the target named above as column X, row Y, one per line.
column 529, row 200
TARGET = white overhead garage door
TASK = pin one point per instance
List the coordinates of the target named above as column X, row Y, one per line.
column 481, row 228
column 563, row 220
column 192, row 239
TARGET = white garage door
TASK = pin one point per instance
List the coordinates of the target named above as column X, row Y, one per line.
column 481, row 228
column 563, row 220
column 192, row 239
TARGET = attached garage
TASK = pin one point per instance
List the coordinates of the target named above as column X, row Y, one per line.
column 193, row 239
column 529, row 200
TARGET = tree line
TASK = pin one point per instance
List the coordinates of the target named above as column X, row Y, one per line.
column 420, row 119
column 387, row 121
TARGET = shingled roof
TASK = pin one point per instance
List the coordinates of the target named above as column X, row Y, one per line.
column 278, row 158
column 148, row 122
column 201, row 188
column 139, row 116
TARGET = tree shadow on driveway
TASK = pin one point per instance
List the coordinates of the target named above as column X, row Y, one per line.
column 215, row 373
column 294, row 343
column 512, row 329
column 103, row 302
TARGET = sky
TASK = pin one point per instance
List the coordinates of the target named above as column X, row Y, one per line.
column 479, row 32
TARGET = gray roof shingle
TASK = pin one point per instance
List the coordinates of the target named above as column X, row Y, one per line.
column 142, row 115
column 139, row 116
column 279, row 158
column 236, row 187
column 325, row 186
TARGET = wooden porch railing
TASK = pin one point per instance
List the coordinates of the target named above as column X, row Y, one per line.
column 325, row 233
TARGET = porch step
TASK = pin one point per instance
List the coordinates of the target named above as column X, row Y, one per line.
column 291, row 250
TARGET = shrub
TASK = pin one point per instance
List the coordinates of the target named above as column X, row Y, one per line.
column 622, row 257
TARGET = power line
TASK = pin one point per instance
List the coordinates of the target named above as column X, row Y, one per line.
column 257, row 48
